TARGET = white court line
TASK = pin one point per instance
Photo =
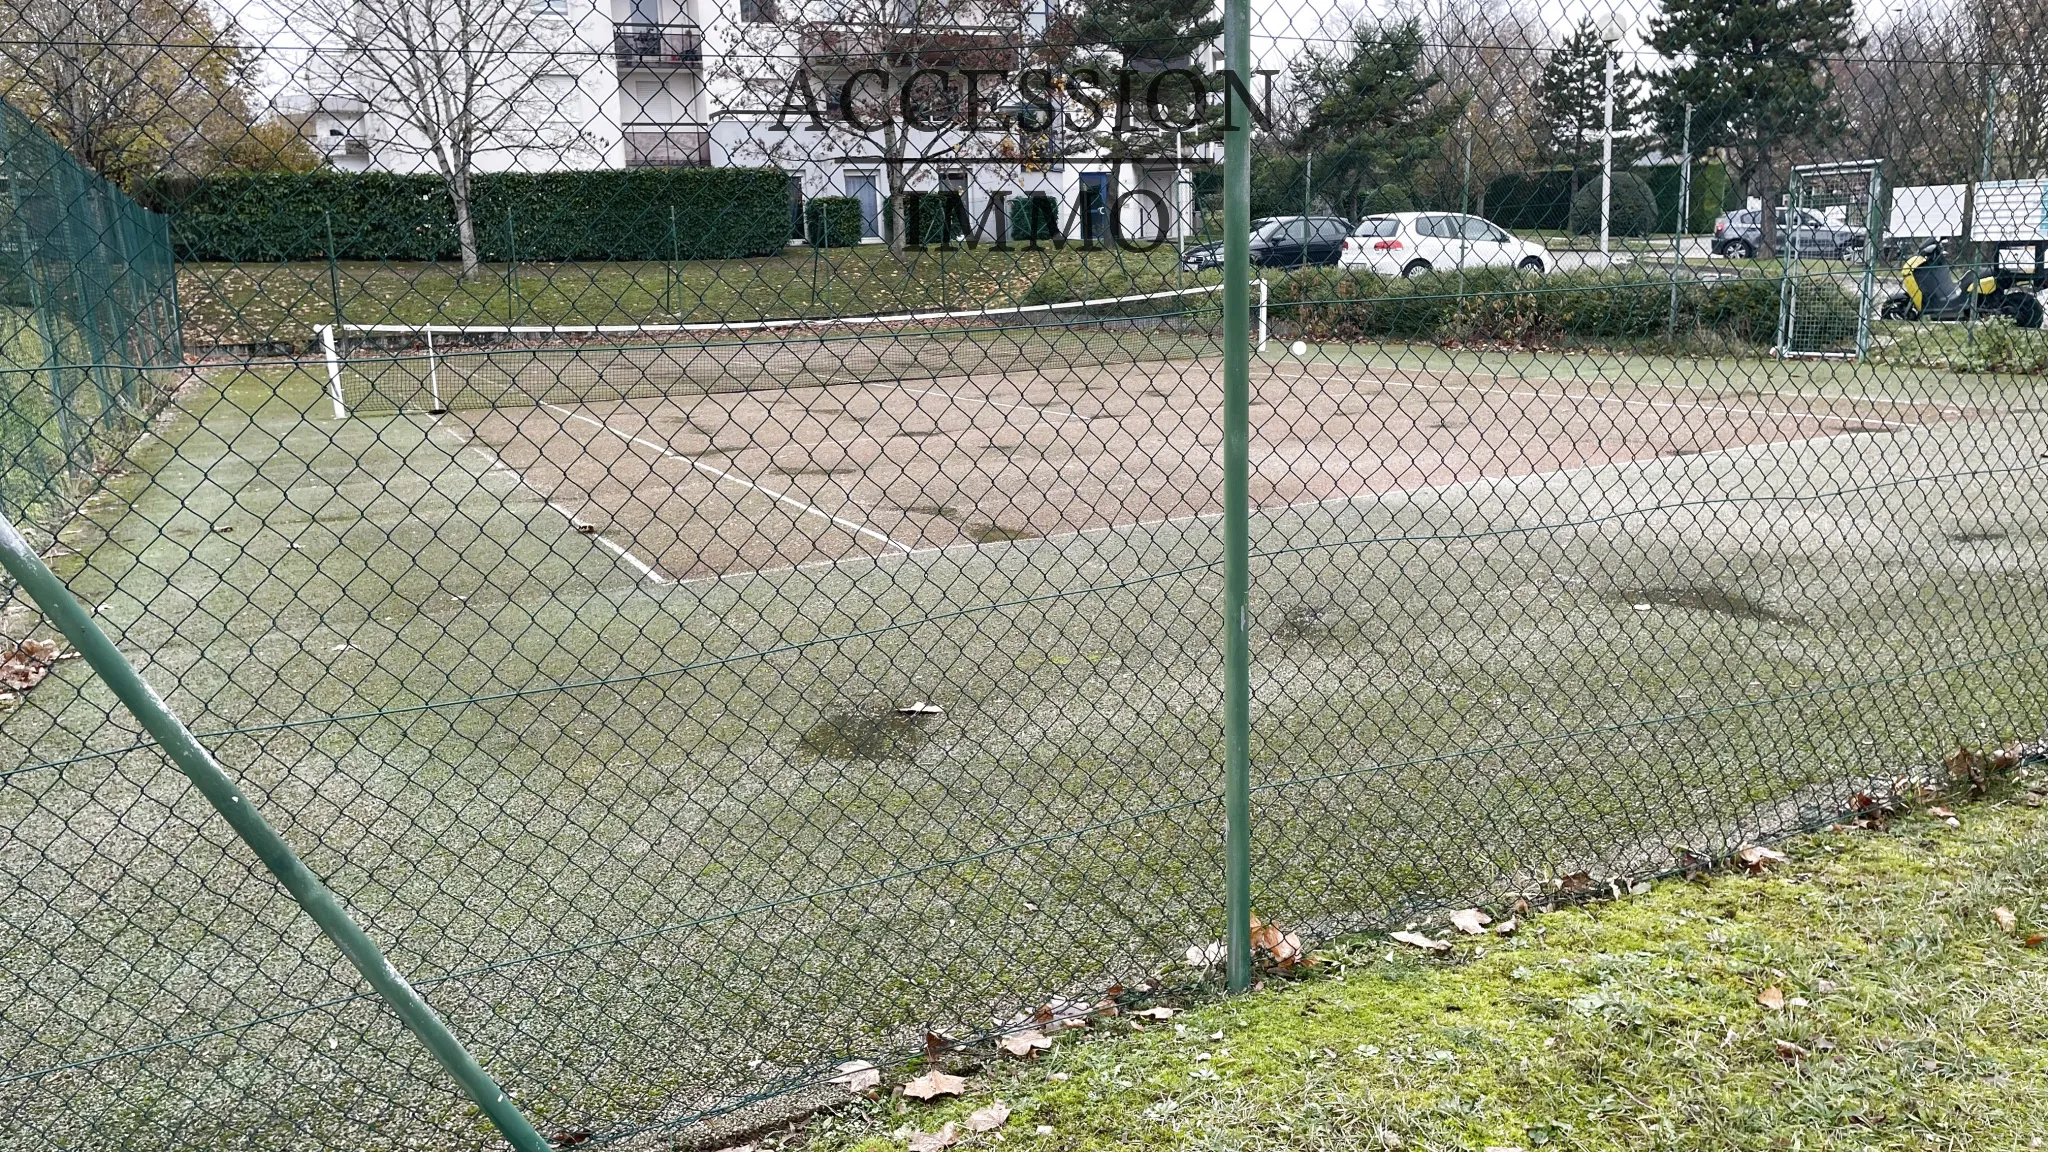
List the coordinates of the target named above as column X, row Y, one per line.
column 782, row 497
column 1688, row 407
column 494, row 464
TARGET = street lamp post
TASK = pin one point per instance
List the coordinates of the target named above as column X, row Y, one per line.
column 1610, row 35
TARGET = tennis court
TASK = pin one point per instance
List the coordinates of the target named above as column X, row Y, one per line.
column 717, row 482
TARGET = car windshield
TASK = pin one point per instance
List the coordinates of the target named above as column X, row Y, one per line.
column 1378, row 226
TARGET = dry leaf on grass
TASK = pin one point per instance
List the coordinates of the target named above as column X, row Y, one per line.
column 1787, row 1050
column 2007, row 922
column 1772, row 998
column 2036, row 939
column 1206, row 955
column 1575, row 882
column 1756, row 858
column 934, row 1141
column 859, row 1076
column 989, row 1118
column 1472, row 922
column 1026, row 1044
column 1506, row 927
column 1418, row 940
column 2036, row 799
column 1160, row 1012
column 24, row 666
column 935, row 1083
column 1282, row 945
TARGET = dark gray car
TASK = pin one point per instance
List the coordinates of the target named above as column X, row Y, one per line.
column 1282, row 242
column 1740, row 234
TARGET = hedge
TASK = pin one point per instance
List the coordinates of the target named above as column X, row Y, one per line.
column 611, row 214
column 833, row 221
column 1034, row 217
column 1539, row 200
column 1631, row 207
column 1500, row 305
column 1712, row 193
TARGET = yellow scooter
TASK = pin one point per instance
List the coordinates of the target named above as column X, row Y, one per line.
column 1932, row 292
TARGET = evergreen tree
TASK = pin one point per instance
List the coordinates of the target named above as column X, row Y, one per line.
column 1376, row 112
column 1757, row 75
column 1571, row 101
column 1147, row 32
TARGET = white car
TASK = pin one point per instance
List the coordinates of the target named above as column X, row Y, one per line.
column 1406, row 243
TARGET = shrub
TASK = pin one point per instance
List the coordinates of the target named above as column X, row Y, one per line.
column 1632, row 207
column 1034, row 217
column 1497, row 305
column 1539, row 200
column 611, row 214
column 832, row 221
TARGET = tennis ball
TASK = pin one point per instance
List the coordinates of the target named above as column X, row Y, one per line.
column 1298, row 348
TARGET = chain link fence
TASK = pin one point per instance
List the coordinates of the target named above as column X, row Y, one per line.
column 724, row 539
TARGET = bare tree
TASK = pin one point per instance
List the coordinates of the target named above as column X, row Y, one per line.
column 456, row 79
column 889, row 79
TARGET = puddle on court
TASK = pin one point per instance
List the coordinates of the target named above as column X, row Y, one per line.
column 1974, row 537
column 1709, row 599
column 996, row 533
column 868, row 732
column 1305, row 622
column 942, row 511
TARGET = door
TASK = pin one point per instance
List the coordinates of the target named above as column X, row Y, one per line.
column 1326, row 240
column 1094, row 207
column 861, row 186
column 1484, row 245
column 1436, row 240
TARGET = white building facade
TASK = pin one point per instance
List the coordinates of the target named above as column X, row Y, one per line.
column 815, row 87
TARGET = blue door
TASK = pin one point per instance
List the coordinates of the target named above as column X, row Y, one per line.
column 861, row 186
column 1095, row 207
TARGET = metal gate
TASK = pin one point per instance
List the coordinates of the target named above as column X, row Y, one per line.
column 1830, row 235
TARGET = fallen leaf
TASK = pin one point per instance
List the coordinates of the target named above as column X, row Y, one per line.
column 1521, row 907
column 934, row 1141
column 1789, row 1051
column 2036, row 799
column 859, row 1076
column 988, row 1119
column 1206, row 955
column 1575, row 882
column 1161, row 1012
column 1938, row 811
column 1418, row 940
column 935, row 1083
column 935, row 1043
column 921, row 708
column 2007, row 922
column 1472, row 922
column 571, row 1139
column 1506, row 927
column 2036, row 939
column 1757, row 858
column 1772, row 998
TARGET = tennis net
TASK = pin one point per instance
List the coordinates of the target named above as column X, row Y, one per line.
column 384, row 369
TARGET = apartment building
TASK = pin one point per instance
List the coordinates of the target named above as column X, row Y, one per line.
column 815, row 87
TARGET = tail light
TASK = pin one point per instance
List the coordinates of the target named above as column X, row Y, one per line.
column 1387, row 246
column 1347, row 243
column 1720, row 225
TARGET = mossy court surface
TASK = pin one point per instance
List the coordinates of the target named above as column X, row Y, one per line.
column 593, row 816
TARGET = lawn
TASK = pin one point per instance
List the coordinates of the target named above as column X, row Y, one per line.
column 1867, row 993
column 236, row 304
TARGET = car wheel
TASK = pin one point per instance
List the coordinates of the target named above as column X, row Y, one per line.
column 1415, row 268
column 1739, row 249
column 1531, row 266
column 1896, row 308
column 2025, row 311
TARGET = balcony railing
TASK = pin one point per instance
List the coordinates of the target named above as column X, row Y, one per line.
column 667, row 147
column 658, row 45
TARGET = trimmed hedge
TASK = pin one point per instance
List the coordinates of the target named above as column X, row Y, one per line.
column 611, row 214
column 1631, row 207
column 832, row 221
column 1712, row 192
column 1033, row 217
column 1540, row 200
column 1499, row 305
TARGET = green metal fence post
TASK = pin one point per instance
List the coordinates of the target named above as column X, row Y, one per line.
column 1237, row 383
column 198, row 765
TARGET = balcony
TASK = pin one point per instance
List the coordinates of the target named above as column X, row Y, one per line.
column 667, row 146
column 658, row 45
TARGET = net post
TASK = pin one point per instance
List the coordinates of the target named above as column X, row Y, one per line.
column 332, row 354
column 319, row 902
column 433, row 371
column 1237, row 841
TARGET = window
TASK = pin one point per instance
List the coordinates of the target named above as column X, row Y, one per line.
column 335, row 132
column 1477, row 229
column 1437, row 227
column 757, row 11
column 1328, row 231
column 550, row 7
column 1379, row 226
